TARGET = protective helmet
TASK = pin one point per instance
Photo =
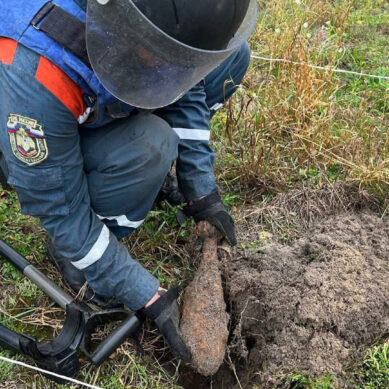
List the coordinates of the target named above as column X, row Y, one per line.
column 148, row 53
column 207, row 24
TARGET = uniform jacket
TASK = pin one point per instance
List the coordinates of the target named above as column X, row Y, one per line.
column 189, row 118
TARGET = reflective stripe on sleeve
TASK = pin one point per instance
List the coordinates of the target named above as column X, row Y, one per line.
column 123, row 221
column 216, row 107
column 192, row 134
column 96, row 252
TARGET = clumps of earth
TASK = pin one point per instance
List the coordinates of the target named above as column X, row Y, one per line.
column 310, row 305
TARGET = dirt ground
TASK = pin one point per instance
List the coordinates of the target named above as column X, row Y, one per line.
column 310, row 304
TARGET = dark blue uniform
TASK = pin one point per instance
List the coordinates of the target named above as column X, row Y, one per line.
column 89, row 166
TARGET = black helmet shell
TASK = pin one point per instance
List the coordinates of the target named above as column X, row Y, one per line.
column 203, row 24
column 149, row 53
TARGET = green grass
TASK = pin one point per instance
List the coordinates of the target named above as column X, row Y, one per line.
column 6, row 369
column 373, row 371
column 300, row 381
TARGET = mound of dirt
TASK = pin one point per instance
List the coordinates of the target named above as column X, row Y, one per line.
column 310, row 306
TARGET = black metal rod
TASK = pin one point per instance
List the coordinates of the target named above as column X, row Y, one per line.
column 52, row 290
column 49, row 288
column 9, row 339
column 115, row 340
column 12, row 340
column 12, row 256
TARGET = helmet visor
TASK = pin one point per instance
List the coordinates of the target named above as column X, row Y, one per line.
column 140, row 64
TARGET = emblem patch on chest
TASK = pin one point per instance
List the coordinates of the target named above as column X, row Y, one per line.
column 27, row 139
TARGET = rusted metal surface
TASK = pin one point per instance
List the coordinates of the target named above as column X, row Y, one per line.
column 204, row 323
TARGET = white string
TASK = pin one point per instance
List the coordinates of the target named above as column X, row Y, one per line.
column 329, row 68
column 48, row 372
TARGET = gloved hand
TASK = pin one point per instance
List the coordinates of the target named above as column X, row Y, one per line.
column 166, row 315
column 170, row 191
column 212, row 209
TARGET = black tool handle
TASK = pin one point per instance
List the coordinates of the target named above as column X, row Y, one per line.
column 52, row 290
column 109, row 345
column 10, row 339
column 11, row 255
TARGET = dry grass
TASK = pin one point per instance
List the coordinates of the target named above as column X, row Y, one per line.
column 288, row 215
column 292, row 123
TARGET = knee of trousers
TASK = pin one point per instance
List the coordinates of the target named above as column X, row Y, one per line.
column 160, row 146
column 143, row 143
column 129, row 164
column 241, row 63
column 233, row 69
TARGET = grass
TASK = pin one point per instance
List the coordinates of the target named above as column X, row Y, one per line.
column 373, row 371
column 288, row 126
column 301, row 381
column 291, row 123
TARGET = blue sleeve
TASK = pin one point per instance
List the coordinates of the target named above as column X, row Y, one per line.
column 189, row 117
column 56, row 190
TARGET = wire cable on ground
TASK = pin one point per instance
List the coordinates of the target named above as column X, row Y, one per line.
column 49, row 373
column 328, row 68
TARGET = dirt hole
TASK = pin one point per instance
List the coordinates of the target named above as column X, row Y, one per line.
column 311, row 305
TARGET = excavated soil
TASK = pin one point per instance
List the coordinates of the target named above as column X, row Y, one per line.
column 311, row 305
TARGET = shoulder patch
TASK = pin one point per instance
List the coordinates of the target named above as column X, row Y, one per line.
column 27, row 139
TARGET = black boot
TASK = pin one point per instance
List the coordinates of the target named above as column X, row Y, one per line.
column 75, row 280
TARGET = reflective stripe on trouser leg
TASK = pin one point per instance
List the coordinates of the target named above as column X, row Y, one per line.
column 123, row 221
column 96, row 252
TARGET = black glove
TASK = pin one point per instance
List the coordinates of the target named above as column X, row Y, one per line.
column 166, row 315
column 170, row 192
column 212, row 209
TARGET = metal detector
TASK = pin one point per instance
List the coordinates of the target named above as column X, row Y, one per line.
column 61, row 354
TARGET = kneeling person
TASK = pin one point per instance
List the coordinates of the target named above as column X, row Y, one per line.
column 88, row 134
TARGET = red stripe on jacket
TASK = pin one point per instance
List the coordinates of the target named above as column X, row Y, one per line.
column 61, row 86
column 7, row 50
